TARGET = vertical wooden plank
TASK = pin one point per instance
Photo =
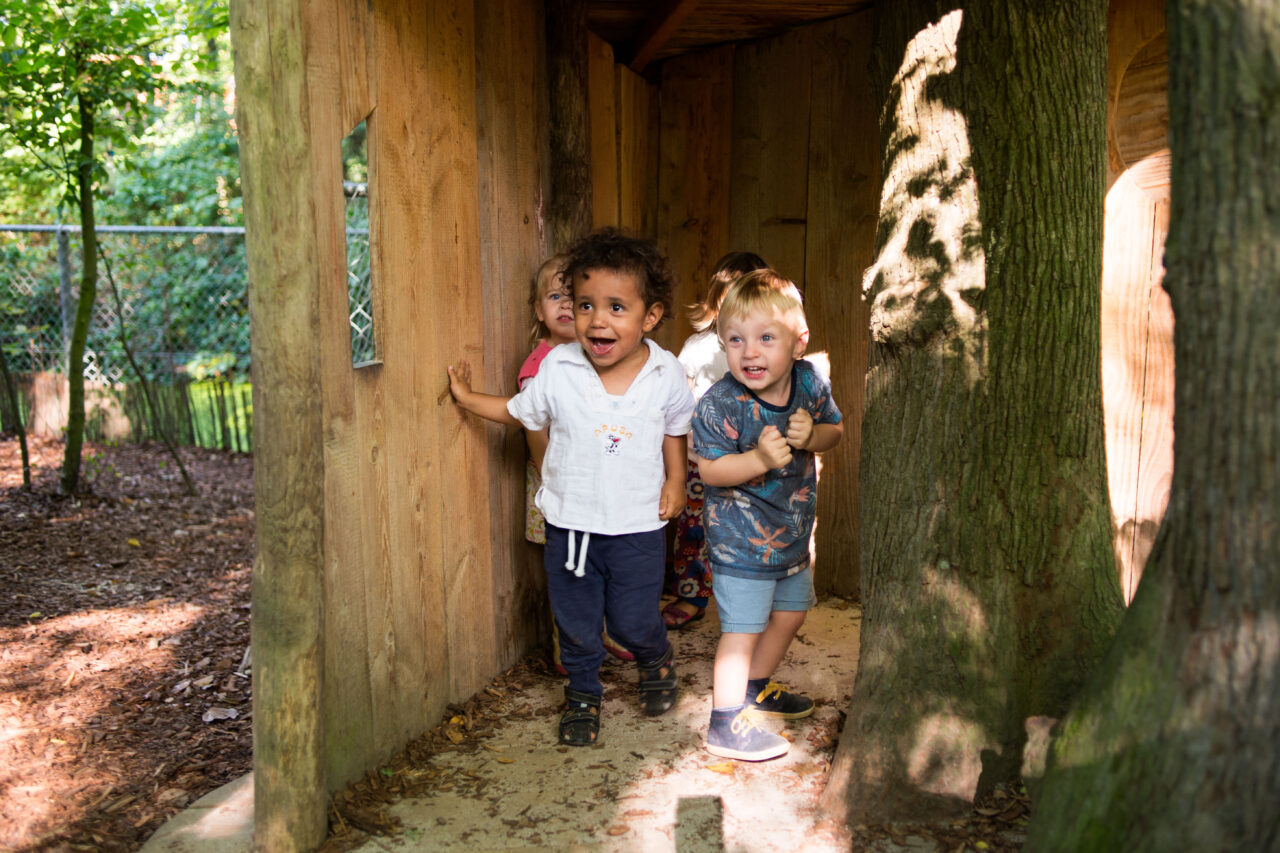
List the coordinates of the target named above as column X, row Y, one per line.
column 511, row 107
column 274, row 123
column 454, row 261
column 603, row 113
column 693, row 175
column 408, row 667
column 568, row 208
column 771, row 150
column 352, row 19
column 637, row 152
column 437, row 644
column 457, row 518
column 334, row 87
column 843, row 209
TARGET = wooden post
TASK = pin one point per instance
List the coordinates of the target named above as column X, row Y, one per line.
column 279, row 206
column 569, row 206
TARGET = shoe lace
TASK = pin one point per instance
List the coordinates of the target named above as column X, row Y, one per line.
column 771, row 690
column 746, row 720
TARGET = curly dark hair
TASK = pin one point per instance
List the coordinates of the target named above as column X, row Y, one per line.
column 618, row 251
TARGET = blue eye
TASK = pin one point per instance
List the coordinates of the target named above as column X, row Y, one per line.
column 766, row 337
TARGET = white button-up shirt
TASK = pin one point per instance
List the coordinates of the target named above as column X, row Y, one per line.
column 603, row 470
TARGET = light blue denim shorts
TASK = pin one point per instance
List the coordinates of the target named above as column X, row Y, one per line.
column 744, row 604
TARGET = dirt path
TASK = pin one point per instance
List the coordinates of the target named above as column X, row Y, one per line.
column 124, row 621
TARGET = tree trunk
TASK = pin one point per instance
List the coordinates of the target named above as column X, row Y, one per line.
column 70, row 479
column 1176, row 742
column 989, row 586
column 11, row 395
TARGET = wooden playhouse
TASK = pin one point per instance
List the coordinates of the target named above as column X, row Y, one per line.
column 392, row 575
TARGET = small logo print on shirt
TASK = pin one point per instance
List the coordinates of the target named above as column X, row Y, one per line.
column 613, row 437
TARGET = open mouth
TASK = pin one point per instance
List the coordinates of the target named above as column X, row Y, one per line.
column 601, row 346
column 753, row 372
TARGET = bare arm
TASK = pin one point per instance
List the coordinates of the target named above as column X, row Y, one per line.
column 734, row 469
column 537, row 439
column 675, row 460
column 487, row 406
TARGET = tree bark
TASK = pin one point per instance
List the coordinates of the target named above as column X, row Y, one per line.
column 11, row 395
column 1176, row 742
column 989, row 586
column 70, row 479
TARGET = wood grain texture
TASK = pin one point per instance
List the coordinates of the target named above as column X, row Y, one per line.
column 512, row 130
column 693, row 175
column 333, row 88
column 462, row 515
column 637, row 103
column 1131, row 25
column 602, row 111
column 1137, row 373
column 843, row 205
column 569, row 207
column 274, row 123
column 1137, row 317
column 769, row 183
column 354, row 44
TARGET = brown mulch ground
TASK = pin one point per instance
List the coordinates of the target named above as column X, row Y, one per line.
column 124, row 628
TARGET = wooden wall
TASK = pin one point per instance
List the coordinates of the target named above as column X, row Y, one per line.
column 427, row 588
column 695, row 141
column 623, row 109
column 1137, row 318
column 772, row 147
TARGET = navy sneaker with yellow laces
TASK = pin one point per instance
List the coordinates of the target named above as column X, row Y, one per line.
column 774, row 700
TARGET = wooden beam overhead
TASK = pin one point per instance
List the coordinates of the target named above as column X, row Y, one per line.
column 658, row 30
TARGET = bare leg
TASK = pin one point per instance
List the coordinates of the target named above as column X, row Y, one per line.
column 734, row 657
column 772, row 645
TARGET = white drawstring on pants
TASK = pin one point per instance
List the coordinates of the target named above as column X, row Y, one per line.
column 578, row 570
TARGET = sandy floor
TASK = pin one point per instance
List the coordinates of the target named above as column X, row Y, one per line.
column 648, row 785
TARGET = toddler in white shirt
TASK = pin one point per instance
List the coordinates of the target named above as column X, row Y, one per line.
column 618, row 408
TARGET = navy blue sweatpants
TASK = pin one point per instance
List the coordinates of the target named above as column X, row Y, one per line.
column 621, row 582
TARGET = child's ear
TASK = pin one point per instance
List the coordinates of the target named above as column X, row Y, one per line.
column 802, row 341
column 652, row 316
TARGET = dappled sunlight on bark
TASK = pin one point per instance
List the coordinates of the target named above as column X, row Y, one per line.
column 930, row 270
column 945, row 756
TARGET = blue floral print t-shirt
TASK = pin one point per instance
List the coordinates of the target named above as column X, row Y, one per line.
column 761, row 528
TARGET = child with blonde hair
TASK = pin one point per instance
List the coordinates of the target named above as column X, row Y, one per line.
column 618, row 408
column 755, row 433
column 703, row 359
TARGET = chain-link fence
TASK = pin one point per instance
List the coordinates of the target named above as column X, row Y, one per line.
column 182, row 298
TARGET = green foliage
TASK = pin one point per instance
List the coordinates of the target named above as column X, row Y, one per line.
column 121, row 62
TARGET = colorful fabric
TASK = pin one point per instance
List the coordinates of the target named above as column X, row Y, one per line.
column 535, row 526
column 689, row 564
column 761, row 528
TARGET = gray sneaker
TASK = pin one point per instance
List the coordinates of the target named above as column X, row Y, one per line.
column 736, row 733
